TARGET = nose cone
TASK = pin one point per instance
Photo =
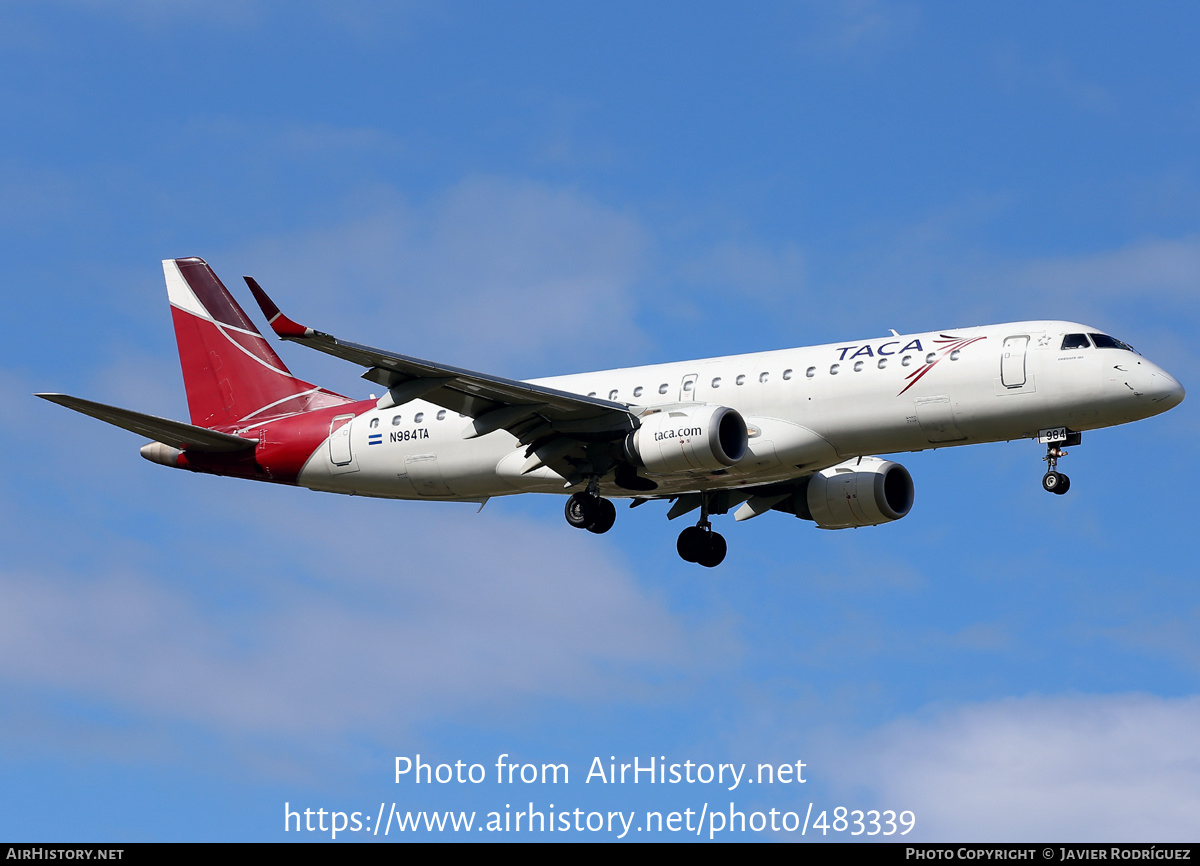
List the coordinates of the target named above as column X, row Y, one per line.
column 156, row 452
column 1164, row 390
column 1147, row 388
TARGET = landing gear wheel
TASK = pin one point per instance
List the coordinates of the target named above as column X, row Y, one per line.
column 1055, row 482
column 701, row 545
column 713, row 553
column 581, row 510
column 585, row 511
column 604, row 517
column 691, row 544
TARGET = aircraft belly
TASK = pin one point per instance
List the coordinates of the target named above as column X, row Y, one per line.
column 1008, row 417
column 906, row 436
column 424, row 474
column 469, row 466
column 373, row 478
column 412, row 461
column 874, row 424
column 937, row 418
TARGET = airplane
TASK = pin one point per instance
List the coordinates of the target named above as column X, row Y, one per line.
column 795, row 431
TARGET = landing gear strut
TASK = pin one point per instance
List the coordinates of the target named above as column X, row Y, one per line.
column 699, row 543
column 1054, row 481
column 589, row 511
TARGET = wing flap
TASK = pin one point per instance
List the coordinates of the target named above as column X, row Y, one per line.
column 174, row 433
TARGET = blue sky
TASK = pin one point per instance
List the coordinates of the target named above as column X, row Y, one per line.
column 544, row 188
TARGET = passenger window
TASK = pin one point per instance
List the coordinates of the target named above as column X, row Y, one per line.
column 374, row 423
column 905, row 360
column 833, row 370
column 954, row 355
column 858, row 366
column 716, row 383
column 810, row 372
column 612, row 395
column 741, row 380
column 395, row 420
column 931, row 357
column 1075, row 341
column 637, row 392
column 762, row 378
column 787, row 374
column 419, row 417
column 882, row 363
column 662, row 389
column 442, row 415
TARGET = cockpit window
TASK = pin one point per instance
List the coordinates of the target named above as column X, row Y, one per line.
column 1076, row 341
column 1103, row 341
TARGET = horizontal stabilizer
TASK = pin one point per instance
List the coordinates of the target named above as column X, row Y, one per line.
column 173, row 433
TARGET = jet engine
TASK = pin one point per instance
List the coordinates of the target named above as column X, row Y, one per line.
column 861, row 492
column 699, row 438
column 865, row 491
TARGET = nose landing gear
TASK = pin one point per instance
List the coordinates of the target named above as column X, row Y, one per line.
column 1054, row 481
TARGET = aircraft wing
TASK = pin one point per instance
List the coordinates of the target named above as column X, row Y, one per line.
column 173, row 433
column 531, row 412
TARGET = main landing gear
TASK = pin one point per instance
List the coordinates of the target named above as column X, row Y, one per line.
column 699, row 543
column 1054, row 481
column 589, row 511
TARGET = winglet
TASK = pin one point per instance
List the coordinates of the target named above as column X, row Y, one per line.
column 284, row 327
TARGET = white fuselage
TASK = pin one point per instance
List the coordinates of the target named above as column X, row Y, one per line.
column 806, row 409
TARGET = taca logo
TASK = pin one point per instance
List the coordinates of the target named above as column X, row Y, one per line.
column 884, row 349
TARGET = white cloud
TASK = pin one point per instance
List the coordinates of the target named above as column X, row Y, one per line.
column 249, row 610
column 356, row 622
column 1159, row 267
column 1071, row 768
column 1055, row 78
column 274, row 141
column 751, row 271
column 360, row 19
column 934, row 270
column 1175, row 638
column 32, row 197
column 491, row 272
column 162, row 13
column 857, row 27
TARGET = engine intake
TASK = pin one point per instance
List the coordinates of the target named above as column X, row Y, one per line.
column 700, row 438
column 866, row 491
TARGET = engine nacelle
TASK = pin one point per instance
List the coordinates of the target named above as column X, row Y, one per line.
column 860, row 492
column 700, row 438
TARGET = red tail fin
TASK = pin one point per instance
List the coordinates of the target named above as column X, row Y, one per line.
column 232, row 375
